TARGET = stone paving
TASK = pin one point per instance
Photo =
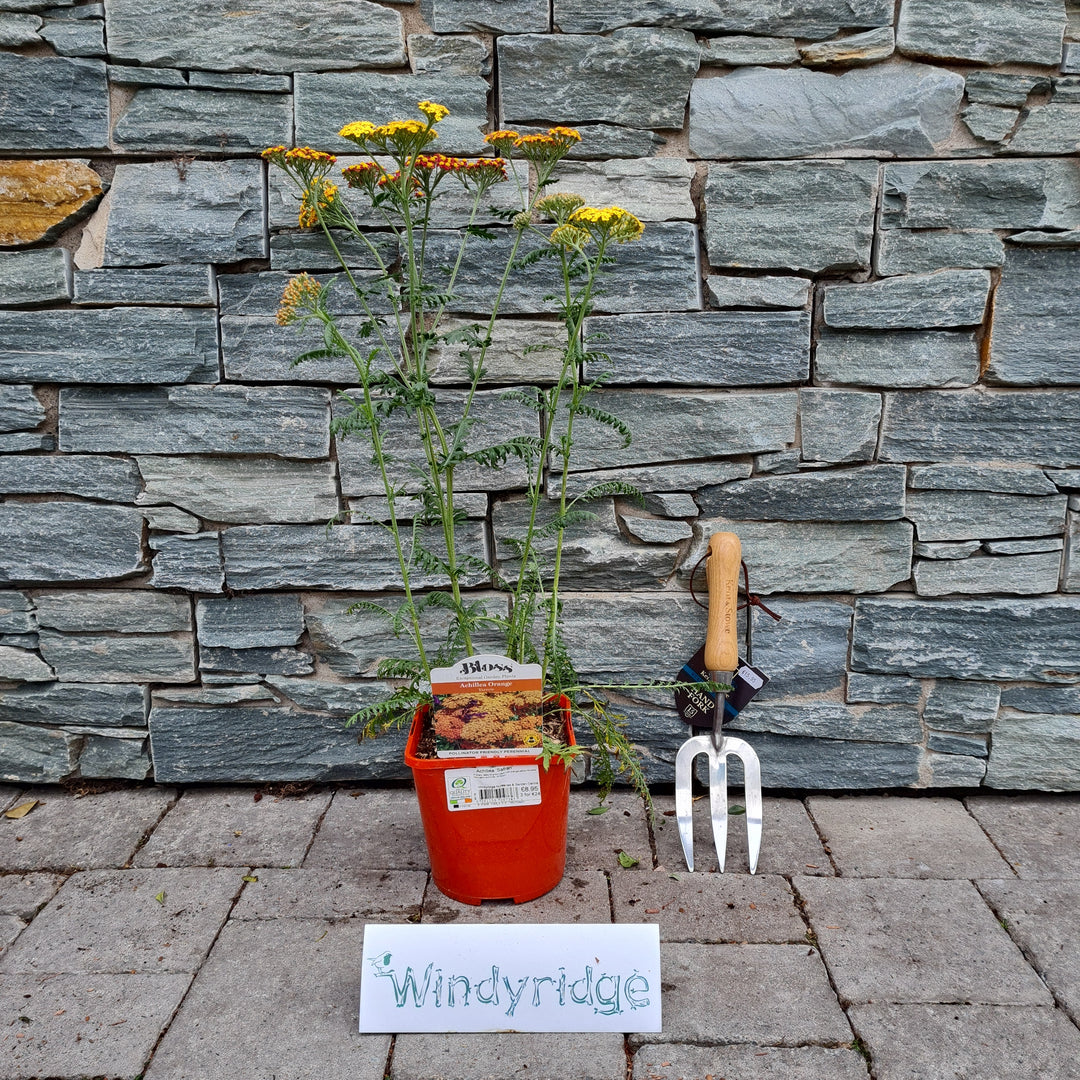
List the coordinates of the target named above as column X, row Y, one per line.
column 215, row 934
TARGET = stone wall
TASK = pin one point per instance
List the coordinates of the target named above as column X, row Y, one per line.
column 851, row 333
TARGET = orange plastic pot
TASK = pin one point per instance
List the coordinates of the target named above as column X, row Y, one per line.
column 491, row 853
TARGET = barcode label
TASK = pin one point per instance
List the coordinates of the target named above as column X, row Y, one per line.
column 491, row 786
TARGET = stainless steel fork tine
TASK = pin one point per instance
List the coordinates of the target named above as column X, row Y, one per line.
column 684, row 794
column 751, row 795
column 718, row 799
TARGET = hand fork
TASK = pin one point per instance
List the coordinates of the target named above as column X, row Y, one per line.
column 721, row 660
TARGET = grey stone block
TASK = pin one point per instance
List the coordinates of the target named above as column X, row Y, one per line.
column 432, row 54
column 281, row 661
column 281, row 1029
column 757, row 292
column 669, row 426
column 215, row 210
column 145, row 76
column 916, row 301
column 96, row 705
column 290, row 421
column 671, row 506
column 111, row 479
column 324, row 103
column 1035, row 312
column 662, row 477
column 977, row 425
column 1071, row 569
column 70, row 37
column 815, row 19
column 373, row 895
column 106, row 757
column 54, row 103
column 1019, row 480
column 64, row 541
column 605, row 141
column 995, row 638
column 107, row 921
column 31, row 755
column 751, row 1062
column 832, row 720
column 236, row 744
column 903, row 251
column 188, row 562
column 260, row 293
column 954, row 745
column 226, row 827
column 169, row 519
column 639, row 76
column 16, row 613
column 89, row 658
column 26, row 440
column 803, row 1006
column 1030, row 750
column 856, row 49
column 96, row 832
column 653, row 189
column 498, row 16
column 953, row 770
column 658, row 273
column 1015, row 574
column 309, row 250
column 187, row 285
column 882, row 689
column 651, row 530
column 903, row 110
column 40, row 276
column 19, row 408
column 989, row 123
column 1023, row 547
column 738, row 50
column 894, row 837
column 820, row 556
column 246, row 622
column 299, row 37
column 522, row 352
column 1029, row 830
column 252, row 490
column 215, row 695
column 109, row 345
column 1037, row 238
column 22, row 665
column 597, row 1056
column 127, row 1014
column 19, row 29
column 970, row 31
column 900, row 358
column 974, row 1040
column 967, row 515
column 872, row 493
column 708, row 348
column 838, row 426
column 980, row 195
column 962, row 706
column 337, row 698
column 387, row 820
column 954, row 948
column 812, row 216
column 203, row 120
column 595, row 554
column 23, row 895
column 997, row 88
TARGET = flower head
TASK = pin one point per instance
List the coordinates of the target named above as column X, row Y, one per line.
column 559, row 205
column 359, row 131
column 364, row 175
column 483, row 173
column 607, row 223
column 301, row 297
column 569, row 237
column 547, row 147
column 301, row 162
column 432, row 111
column 502, row 140
column 320, row 195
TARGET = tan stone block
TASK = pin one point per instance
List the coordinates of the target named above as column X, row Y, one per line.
column 38, row 196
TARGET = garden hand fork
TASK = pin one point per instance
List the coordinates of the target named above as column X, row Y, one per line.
column 722, row 660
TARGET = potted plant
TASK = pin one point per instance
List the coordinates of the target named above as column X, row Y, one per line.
column 421, row 439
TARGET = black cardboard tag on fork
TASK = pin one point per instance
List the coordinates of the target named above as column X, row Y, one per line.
column 696, row 707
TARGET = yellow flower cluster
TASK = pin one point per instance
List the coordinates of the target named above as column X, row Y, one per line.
column 402, row 136
column 609, row 222
column 301, row 296
column 319, row 195
column 433, row 111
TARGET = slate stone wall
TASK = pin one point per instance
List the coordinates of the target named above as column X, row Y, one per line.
column 851, row 333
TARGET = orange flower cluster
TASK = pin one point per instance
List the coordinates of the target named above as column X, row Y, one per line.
column 301, row 295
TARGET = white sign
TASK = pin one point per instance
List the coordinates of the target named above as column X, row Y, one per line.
column 489, row 786
column 527, row 977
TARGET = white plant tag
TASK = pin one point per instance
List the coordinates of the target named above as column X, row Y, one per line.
column 524, row 977
column 488, row 786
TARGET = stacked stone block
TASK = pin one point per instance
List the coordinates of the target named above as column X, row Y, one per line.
column 849, row 334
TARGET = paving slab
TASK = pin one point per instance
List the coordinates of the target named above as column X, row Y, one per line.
column 789, row 844
column 65, row 832
column 1043, row 918
column 581, row 897
column 905, row 838
column 916, row 941
column 593, row 841
column 372, row 895
column 371, row 828
column 118, row 921
column 1036, row 833
column 710, row 908
column 275, row 998
column 11, row 926
column 500, row 1056
column 227, row 827
column 8, row 794
column 679, row 1062
column 977, row 1041
column 84, row 1025
column 772, row 994
column 25, row 894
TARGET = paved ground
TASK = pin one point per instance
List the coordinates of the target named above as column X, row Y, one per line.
column 215, row 934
